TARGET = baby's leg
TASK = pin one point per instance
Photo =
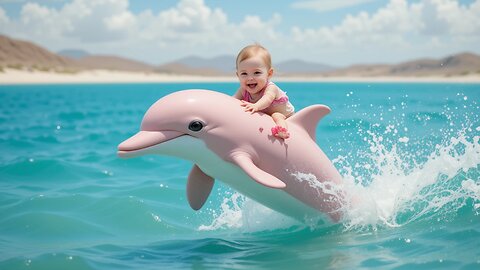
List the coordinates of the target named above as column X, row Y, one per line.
column 281, row 129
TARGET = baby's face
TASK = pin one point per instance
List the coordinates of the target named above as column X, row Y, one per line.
column 253, row 74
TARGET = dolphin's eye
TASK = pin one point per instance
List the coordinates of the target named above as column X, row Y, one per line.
column 195, row 125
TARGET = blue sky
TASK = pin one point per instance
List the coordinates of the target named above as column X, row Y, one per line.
column 335, row 32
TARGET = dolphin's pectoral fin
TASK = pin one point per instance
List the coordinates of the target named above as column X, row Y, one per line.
column 199, row 187
column 262, row 177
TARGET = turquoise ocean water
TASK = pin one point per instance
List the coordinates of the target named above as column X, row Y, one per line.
column 409, row 151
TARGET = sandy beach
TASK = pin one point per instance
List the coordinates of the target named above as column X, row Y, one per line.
column 14, row 76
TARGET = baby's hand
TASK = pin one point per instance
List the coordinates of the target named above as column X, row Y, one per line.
column 249, row 107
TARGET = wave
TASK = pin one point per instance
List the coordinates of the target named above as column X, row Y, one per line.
column 386, row 187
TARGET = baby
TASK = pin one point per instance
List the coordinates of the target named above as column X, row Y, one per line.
column 257, row 92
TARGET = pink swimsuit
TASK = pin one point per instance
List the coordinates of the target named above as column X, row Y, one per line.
column 283, row 99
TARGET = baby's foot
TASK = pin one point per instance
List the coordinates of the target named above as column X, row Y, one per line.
column 280, row 132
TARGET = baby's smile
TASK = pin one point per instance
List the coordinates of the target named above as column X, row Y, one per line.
column 252, row 85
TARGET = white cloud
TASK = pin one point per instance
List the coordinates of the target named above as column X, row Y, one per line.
column 31, row 1
column 254, row 29
column 12, row 1
column 80, row 20
column 188, row 20
column 398, row 30
column 4, row 20
column 38, row 21
column 94, row 21
column 192, row 24
column 449, row 17
column 388, row 24
column 120, row 21
column 98, row 20
column 328, row 5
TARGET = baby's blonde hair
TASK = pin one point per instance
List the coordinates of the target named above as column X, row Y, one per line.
column 254, row 50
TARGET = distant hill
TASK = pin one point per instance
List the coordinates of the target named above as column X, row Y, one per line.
column 194, row 65
column 23, row 54
column 178, row 68
column 360, row 70
column 459, row 64
column 295, row 67
column 17, row 54
column 73, row 53
column 225, row 65
column 112, row 63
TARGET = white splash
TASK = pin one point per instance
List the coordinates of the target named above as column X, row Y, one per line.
column 240, row 212
column 230, row 214
column 388, row 188
column 400, row 191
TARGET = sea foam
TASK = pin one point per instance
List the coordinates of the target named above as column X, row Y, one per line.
column 391, row 189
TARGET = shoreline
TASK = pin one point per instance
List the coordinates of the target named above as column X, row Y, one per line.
column 20, row 77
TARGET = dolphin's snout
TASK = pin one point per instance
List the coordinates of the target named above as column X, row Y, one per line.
column 145, row 139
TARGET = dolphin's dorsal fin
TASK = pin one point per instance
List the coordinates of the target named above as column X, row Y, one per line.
column 309, row 117
column 199, row 186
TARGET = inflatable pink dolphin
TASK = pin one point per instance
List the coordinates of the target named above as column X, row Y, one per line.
column 226, row 143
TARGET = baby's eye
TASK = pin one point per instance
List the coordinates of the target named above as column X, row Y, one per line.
column 243, row 74
column 258, row 73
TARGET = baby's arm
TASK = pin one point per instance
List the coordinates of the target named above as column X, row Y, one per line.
column 264, row 102
column 238, row 94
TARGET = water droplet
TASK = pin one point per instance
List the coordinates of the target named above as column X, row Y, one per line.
column 156, row 218
column 108, row 173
